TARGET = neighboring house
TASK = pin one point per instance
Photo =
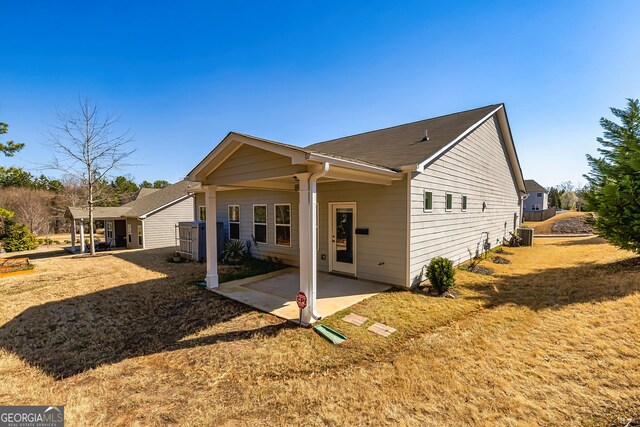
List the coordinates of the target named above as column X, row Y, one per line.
column 538, row 197
column 377, row 205
column 148, row 222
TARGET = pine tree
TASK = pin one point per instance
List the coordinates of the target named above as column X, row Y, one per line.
column 614, row 180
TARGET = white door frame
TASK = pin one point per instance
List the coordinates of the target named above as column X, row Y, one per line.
column 335, row 266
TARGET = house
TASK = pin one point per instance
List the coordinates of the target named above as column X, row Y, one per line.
column 537, row 197
column 147, row 222
column 377, row 205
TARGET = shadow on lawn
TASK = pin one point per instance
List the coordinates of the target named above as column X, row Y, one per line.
column 557, row 287
column 36, row 255
column 580, row 241
column 67, row 337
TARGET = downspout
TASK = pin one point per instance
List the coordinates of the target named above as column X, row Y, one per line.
column 313, row 238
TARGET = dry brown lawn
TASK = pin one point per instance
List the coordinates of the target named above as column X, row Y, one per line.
column 544, row 227
column 123, row 338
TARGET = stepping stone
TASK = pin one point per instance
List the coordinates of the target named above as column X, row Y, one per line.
column 355, row 319
column 381, row 329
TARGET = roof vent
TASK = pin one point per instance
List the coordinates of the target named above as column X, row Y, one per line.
column 426, row 135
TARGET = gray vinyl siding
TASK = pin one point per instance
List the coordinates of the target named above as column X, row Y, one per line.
column 134, row 222
column 246, row 199
column 476, row 167
column 160, row 227
column 380, row 255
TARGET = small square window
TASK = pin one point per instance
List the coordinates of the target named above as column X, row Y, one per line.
column 464, row 203
column 539, row 194
column 428, row 201
column 448, row 202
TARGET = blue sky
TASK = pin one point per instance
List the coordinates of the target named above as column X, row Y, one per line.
column 183, row 74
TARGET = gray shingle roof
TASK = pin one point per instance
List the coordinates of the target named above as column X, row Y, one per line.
column 534, row 187
column 403, row 145
column 143, row 205
column 98, row 212
column 149, row 203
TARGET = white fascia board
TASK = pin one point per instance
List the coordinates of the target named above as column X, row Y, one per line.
column 444, row 149
column 322, row 158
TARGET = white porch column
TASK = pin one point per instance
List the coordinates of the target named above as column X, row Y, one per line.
column 82, row 236
column 212, row 238
column 304, row 224
column 73, row 235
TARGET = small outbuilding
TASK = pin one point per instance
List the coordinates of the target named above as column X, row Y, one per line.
column 148, row 222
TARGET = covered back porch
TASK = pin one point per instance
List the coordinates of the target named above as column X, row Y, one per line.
column 249, row 168
column 115, row 227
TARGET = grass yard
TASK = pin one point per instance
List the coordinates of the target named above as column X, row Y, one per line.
column 552, row 338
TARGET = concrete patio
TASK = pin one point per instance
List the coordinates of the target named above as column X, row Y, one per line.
column 275, row 293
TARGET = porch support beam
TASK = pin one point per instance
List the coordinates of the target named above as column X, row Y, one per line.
column 82, row 236
column 304, row 223
column 73, row 235
column 212, row 238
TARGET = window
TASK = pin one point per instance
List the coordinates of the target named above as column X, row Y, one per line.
column 539, row 194
column 260, row 223
column 140, row 235
column 129, row 232
column 234, row 222
column 283, row 224
column 428, row 201
column 464, row 203
column 535, row 207
column 202, row 213
column 448, row 202
column 109, row 233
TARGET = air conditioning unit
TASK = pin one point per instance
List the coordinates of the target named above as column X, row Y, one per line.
column 527, row 236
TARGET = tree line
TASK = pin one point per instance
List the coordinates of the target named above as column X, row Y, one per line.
column 567, row 196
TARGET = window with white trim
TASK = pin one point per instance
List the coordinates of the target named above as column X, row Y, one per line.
column 428, row 201
column 283, row 224
column 448, row 197
column 109, row 231
column 260, row 223
column 234, row 222
column 202, row 213
column 140, row 235
column 129, row 232
column 464, row 202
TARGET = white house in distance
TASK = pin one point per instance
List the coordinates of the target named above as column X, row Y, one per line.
column 538, row 197
column 148, row 222
column 377, row 205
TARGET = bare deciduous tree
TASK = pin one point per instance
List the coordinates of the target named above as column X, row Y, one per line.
column 31, row 207
column 87, row 148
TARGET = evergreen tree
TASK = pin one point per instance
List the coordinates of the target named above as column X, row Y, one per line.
column 614, row 180
column 10, row 148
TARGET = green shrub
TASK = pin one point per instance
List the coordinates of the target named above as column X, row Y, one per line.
column 19, row 238
column 234, row 252
column 441, row 274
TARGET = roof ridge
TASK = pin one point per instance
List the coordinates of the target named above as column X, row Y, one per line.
column 406, row 124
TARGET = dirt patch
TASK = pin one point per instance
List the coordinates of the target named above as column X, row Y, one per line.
column 478, row 269
column 500, row 260
column 575, row 225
